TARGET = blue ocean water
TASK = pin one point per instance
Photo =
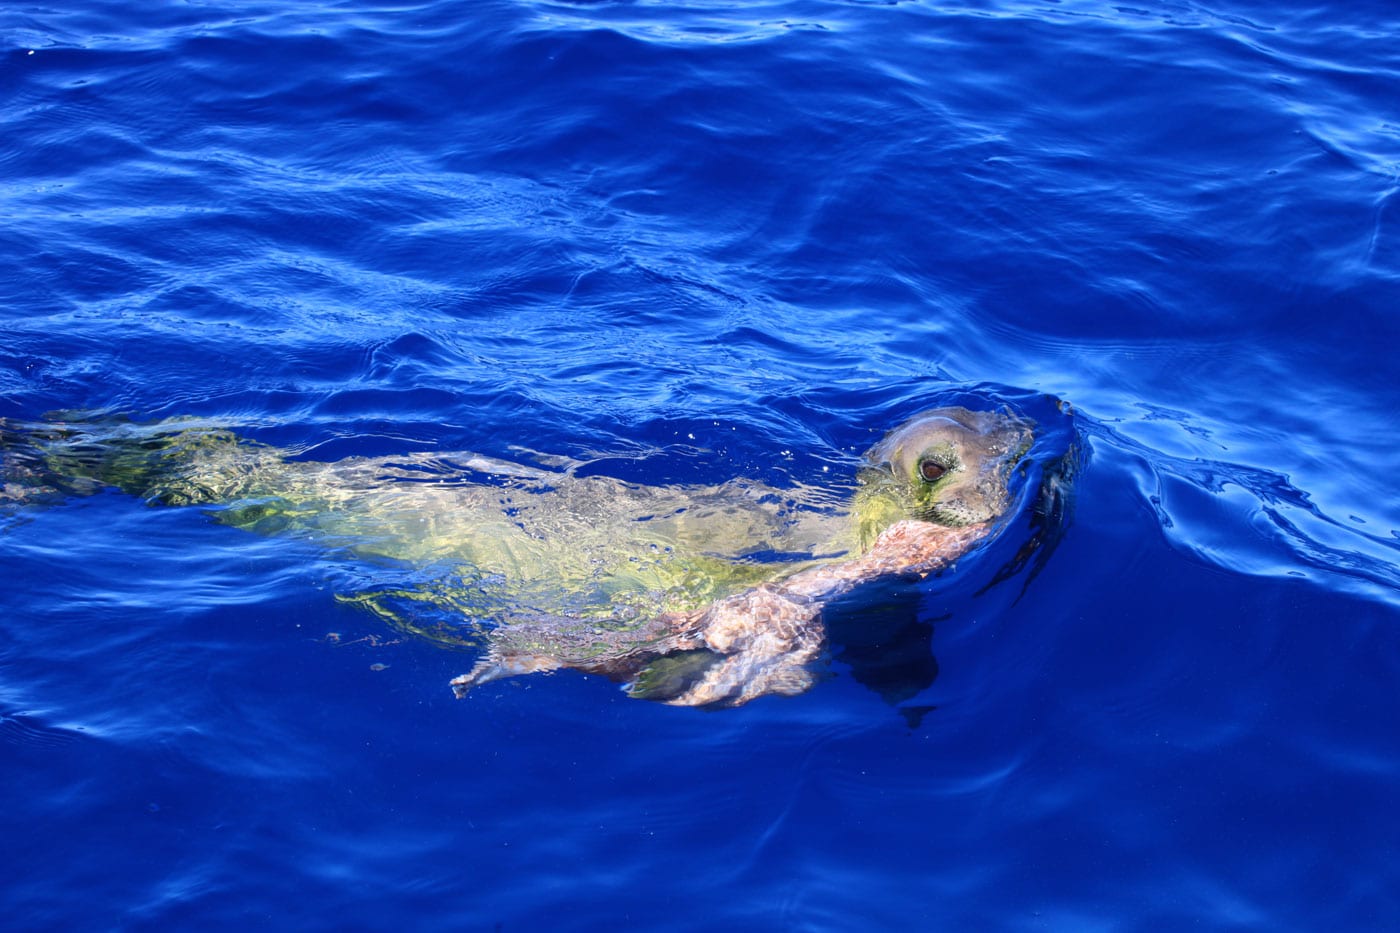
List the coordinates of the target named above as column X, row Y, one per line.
column 745, row 239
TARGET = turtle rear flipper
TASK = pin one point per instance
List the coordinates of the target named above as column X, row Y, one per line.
column 184, row 461
column 26, row 476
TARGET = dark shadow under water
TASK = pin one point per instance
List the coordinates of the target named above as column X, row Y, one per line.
column 886, row 647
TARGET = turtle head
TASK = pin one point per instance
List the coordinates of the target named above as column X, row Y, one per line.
column 949, row 466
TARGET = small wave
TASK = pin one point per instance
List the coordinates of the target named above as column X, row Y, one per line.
column 29, row 730
column 1246, row 519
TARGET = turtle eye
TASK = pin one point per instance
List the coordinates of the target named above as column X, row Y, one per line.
column 931, row 470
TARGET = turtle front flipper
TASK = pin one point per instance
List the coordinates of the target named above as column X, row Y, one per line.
column 672, row 676
column 761, row 641
column 743, row 677
column 550, row 643
column 497, row 667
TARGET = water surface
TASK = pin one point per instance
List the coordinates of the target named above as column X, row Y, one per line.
column 714, row 240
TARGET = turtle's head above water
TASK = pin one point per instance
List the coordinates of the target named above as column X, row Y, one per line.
column 949, row 466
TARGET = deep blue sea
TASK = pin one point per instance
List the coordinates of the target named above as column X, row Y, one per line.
column 744, row 239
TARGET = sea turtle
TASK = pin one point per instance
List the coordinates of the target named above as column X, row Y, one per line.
column 692, row 596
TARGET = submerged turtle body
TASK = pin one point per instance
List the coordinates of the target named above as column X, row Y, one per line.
column 689, row 595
